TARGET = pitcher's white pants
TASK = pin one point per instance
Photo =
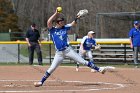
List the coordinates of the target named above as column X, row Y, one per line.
column 60, row 55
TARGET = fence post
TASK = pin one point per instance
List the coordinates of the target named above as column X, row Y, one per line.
column 18, row 53
column 125, row 53
column 50, row 52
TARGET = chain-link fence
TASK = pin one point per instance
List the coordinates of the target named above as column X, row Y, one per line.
column 112, row 51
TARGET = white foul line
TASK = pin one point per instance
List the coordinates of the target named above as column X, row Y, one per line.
column 90, row 89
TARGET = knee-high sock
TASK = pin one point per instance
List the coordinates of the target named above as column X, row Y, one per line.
column 45, row 77
column 93, row 66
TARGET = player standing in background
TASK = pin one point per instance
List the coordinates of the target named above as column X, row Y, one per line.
column 134, row 35
column 87, row 43
column 33, row 41
column 63, row 49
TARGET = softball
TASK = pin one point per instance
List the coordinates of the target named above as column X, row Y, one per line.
column 59, row 9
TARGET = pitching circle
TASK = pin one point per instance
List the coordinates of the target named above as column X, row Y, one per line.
column 27, row 86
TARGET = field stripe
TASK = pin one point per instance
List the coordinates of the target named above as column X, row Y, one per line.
column 118, row 86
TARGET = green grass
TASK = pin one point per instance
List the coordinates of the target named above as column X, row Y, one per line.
column 44, row 48
column 72, row 64
column 120, row 65
column 114, row 65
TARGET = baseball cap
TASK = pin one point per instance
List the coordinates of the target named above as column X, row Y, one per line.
column 136, row 22
column 33, row 25
column 91, row 32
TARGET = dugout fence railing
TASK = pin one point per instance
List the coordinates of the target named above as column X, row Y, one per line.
column 117, row 50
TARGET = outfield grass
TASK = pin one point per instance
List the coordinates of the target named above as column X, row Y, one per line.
column 72, row 64
column 45, row 50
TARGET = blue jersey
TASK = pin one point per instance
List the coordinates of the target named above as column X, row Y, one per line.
column 88, row 42
column 135, row 35
column 59, row 36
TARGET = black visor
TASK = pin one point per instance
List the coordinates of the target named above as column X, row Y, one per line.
column 59, row 19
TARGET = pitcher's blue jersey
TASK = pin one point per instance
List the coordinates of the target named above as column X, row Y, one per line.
column 88, row 42
column 59, row 36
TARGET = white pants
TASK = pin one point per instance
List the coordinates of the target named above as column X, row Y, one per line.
column 60, row 55
column 88, row 53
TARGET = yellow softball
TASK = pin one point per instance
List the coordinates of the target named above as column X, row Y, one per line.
column 59, row 9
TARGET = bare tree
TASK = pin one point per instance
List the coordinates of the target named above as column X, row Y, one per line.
column 40, row 10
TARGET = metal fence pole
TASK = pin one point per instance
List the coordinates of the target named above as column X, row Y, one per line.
column 50, row 52
column 125, row 53
column 18, row 53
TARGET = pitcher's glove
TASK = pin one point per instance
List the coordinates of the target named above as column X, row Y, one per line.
column 82, row 13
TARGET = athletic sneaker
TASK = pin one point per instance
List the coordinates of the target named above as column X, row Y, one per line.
column 93, row 71
column 102, row 70
column 37, row 84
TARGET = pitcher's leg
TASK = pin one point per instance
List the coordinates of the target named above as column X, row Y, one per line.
column 56, row 62
column 76, row 57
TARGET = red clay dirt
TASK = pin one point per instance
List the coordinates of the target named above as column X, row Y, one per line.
column 20, row 79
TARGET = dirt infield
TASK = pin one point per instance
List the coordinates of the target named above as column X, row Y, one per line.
column 19, row 79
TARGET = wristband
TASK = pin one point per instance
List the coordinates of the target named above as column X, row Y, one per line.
column 76, row 19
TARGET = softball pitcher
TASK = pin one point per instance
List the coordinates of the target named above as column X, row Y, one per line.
column 60, row 39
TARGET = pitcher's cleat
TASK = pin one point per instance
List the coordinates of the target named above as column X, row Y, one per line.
column 102, row 70
column 37, row 84
column 93, row 71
